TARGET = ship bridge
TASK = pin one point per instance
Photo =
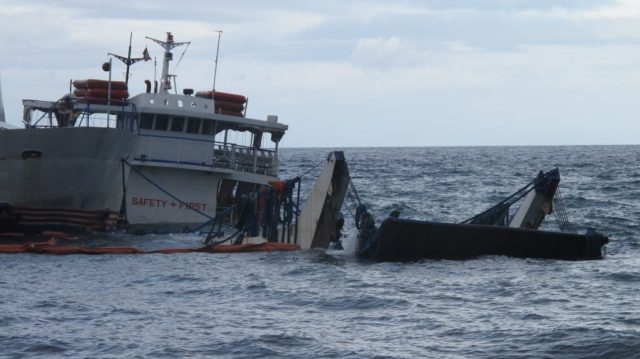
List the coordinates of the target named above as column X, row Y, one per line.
column 185, row 130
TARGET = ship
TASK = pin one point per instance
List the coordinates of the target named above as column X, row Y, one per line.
column 495, row 231
column 159, row 161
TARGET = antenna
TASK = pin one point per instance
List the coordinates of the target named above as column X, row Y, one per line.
column 215, row 69
column 155, row 72
column 1, row 105
column 168, row 45
column 128, row 60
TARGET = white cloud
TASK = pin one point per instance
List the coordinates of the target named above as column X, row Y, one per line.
column 333, row 68
column 389, row 52
column 618, row 10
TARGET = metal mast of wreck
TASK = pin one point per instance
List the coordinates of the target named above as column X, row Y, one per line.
column 168, row 45
column 128, row 61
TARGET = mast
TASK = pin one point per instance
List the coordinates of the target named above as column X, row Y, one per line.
column 215, row 69
column 128, row 60
column 165, row 81
column 1, row 105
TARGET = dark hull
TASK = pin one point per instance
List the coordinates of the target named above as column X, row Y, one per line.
column 408, row 240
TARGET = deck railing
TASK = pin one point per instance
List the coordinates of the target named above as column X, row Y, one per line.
column 198, row 152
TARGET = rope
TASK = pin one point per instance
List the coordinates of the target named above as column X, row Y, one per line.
column 511, row 199
column 560, row 211
column 175, row 68
column 165, row 191
column 353, row 200
column 312, row 168
column 271, row 213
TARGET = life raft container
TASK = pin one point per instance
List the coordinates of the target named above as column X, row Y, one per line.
column 102, row 84
column 222, row 96
column 102, row 93
column 229, row 106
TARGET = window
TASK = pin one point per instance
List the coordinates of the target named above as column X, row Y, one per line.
column 193, row 126
column 207, row 127
column 177, row 124
column 146, row 121
column 162, row 121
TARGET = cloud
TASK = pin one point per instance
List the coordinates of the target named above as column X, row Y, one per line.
column 618, row 10
column 389, row 52
column 434, row 68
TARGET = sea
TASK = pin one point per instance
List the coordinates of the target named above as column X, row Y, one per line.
column 329, row 304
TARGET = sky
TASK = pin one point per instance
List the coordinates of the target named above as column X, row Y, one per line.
column 359, row 73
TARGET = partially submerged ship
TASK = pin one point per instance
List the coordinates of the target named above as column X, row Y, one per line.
column 493, row 232
column 158, row 161
column 269, row 219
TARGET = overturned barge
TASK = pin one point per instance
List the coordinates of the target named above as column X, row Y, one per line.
column 402, row 239
column 492, row 232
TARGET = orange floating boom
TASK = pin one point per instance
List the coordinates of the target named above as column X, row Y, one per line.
column 51, row 248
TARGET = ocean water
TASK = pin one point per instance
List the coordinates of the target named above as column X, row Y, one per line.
column 315, row 304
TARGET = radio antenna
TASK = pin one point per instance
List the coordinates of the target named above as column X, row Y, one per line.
column 215, row 69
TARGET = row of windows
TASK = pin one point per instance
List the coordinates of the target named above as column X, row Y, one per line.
column 176, row 124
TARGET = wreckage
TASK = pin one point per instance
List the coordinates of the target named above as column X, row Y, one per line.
column 269, row 219
column 492, row 232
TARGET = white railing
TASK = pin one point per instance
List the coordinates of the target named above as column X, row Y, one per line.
column 246, row 159
column 188, row 151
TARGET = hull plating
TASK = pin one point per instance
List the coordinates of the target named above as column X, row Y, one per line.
column 50, row 174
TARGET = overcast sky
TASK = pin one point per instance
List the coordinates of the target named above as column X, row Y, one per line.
column 360, row 73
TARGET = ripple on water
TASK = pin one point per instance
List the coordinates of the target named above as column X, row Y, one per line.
column 328, row 304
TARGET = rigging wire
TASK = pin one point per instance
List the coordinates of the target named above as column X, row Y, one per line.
column 175, row 68
column 560, row 211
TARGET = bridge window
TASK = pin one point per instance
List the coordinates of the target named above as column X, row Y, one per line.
column 146, row 121
column 177, row 123
column 193, row 126
column 207, row 127
column 162, row 122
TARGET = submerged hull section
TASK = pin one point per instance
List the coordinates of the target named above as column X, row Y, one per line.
column 401, row 239
column 58, row 177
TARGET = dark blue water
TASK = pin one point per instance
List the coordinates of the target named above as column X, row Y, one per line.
column 328, row 304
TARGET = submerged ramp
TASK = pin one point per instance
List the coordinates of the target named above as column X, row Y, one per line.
column 318, row 220
column 405, row 240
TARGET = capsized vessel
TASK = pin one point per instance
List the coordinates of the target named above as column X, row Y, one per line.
column 493, row 232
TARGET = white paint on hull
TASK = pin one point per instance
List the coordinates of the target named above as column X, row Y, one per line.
column 148, row 205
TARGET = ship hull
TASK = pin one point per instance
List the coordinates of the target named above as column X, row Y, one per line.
column 63, row 177
column 167, row 199
column 401, row 239
column 180, row 198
